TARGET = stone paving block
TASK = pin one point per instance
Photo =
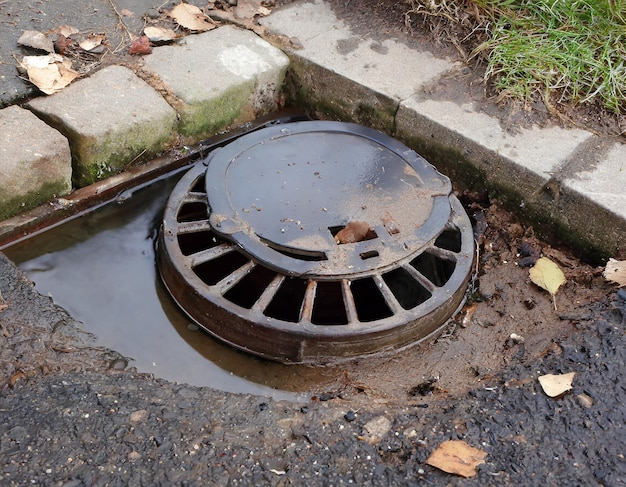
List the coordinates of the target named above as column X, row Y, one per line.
column 523, row 161
column 339, row 74
column 35, row 162
column 606, row 182
column 388, row 67
column 223, row 76
column 111, row 118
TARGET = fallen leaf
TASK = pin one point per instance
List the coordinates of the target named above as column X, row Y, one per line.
column 457, row 457
column 248, row 9
column 160, row 34
column 36, row 40
column 126, row 13
column 547, row 275
column 354, row 232
column 62, row 43
column 91, row 42
column 191, row 17
column 615, row 271
column 49, row 73
column 66, row 30
column 555, row 385
column 141, row 46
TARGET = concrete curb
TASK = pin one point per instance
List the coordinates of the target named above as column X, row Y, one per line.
column 568, row 182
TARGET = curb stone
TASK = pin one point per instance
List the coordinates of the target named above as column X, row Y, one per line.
column 555, row 177
column 35, row 162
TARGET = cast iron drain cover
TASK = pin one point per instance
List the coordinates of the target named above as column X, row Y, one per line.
column 316, row 241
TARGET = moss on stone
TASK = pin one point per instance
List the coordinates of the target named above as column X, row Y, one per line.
column 204, row 119
column 18, row 204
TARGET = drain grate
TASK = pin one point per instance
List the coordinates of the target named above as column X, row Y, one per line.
column 316, row 241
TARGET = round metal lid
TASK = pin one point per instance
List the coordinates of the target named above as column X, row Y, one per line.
column 325, row 199
column 314, row 242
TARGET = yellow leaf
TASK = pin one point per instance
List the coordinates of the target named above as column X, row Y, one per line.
column 455, row 456
column 555, row 385
column 547, row 275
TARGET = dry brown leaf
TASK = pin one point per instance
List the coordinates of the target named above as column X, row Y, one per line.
column 160, row 34
column 66, row 30
column 555, row 385
column 615, row 271
column 49, row 73
column 191, row 17
column 91, row 42
column 36, row 40
column 457, row 457
column 547, row 275
column 248, row 9
column 126, row 13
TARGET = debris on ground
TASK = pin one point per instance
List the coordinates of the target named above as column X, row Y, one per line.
column 547, row 275
column 556, row 384
column 457, row 457
column 615, row 271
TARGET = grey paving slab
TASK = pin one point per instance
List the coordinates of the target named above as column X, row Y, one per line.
column 35, row 162
column 88, row 16
column 388, row 67
column 110, row 119
column 223, row 76
column 604, row 182
column 524, row 160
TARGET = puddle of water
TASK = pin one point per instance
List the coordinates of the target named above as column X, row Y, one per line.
column 101, row 269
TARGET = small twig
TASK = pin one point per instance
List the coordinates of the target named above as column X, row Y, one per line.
column 123, row 25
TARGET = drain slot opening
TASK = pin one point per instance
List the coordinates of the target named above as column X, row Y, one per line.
column 192, row 243
column 250, row 288
column 450, row 239
column 406, row 289
column 213, row 271
column 286, row 305
column 435, row 269
column 328, row 306
column 370, row 303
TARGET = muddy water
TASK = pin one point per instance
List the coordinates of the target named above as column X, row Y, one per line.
column 101, row 268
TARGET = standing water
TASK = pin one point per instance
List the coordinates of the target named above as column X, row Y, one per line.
column 101, row 269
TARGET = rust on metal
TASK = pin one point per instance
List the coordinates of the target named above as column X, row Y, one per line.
column 314, row 242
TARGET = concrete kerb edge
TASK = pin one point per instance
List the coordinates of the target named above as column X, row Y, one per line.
column 308, row 85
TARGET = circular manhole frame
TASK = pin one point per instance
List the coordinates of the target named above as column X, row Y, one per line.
column 325, row 285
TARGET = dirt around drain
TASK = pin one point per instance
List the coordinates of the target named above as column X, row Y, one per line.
column 506, row 321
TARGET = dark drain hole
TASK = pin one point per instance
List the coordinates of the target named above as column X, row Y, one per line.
column 249, row 289
column 287, row 302
column 436, row 270
column 406, row 289
column 192, row 212
column 199, row 185
column 368, row 300
column 450, row 240
column 301, row 254
column 328, row 306
column 369, row 254
column 192, row 243
column 213, row 271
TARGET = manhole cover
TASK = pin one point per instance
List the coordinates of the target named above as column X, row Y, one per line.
column 316, row 241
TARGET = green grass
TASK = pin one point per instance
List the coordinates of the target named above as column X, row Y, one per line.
column 576, row 49
column 571, row 51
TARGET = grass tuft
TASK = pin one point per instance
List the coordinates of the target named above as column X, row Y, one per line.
column 574, row 50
